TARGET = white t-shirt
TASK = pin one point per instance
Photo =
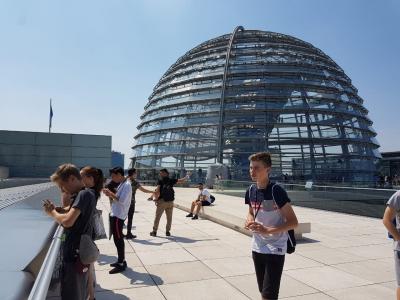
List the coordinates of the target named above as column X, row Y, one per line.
column 120, row 208
column 394, row 202
column 206, row 193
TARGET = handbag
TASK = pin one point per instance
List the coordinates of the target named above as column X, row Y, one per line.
column 99, row 231
column 88, row 251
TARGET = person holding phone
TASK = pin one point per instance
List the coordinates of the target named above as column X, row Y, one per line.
column 269, row 217
column 121, row 200
column 76, row 219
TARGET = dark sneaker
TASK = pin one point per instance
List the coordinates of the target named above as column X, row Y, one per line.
column 113, row 265
column 130, row 236
column 168, row 233
column 120, row 267
column 195, row 217
column 153, row 233
column 189, row 215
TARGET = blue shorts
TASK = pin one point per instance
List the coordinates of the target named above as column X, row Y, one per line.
column 205, row 203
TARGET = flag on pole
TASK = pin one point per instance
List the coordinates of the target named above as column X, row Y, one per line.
column 51, row 116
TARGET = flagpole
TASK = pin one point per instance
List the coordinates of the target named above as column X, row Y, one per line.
column 50, row 116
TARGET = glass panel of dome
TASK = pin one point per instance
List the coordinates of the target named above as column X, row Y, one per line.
column 253, row 83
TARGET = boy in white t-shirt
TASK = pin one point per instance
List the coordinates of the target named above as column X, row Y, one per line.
column 203, row 199
column 270, row 215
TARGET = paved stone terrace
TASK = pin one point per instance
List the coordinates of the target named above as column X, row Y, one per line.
column 344, row 257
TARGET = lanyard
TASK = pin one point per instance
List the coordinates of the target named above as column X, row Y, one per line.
column 259, row 205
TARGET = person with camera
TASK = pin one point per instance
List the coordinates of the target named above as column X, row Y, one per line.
column 121, row 200
column 165, row 196
column 76, row 219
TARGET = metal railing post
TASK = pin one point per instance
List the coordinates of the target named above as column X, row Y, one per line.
column 42, row 282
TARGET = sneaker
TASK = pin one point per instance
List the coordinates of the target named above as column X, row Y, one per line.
column 195, row 217
column 120, row 267
column 153, row 233
column 189, row 215
column 130, row 236
column 113, row 265
column 168, row 233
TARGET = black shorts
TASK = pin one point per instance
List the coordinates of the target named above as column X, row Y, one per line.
column 269, row 269
column 205, row 203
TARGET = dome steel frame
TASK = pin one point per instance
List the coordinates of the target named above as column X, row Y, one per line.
column 252, row 91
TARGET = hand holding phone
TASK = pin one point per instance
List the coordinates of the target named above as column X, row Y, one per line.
column 48, row 205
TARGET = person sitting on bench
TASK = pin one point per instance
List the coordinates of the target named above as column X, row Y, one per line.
column 203, row 199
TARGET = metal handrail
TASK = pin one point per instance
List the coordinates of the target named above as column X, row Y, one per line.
column 42, row 282
column 314, row 186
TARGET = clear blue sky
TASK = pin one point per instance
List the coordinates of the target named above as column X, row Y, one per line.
column 99, row 60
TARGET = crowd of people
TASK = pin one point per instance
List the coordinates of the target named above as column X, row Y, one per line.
column 270, row 217
column 80, row 190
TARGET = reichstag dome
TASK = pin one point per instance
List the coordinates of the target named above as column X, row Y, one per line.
column 251, row 91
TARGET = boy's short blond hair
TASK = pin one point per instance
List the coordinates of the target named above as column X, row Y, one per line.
column 264, row 157
column 64, row 171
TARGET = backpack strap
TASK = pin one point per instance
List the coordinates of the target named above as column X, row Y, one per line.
column 288, row 234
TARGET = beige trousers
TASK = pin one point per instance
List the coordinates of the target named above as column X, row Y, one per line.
column 162, row 206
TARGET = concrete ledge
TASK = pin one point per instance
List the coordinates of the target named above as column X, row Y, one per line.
column 233, row 222
column 217, row 218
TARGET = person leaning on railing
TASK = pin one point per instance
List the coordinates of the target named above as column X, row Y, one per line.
column 75, row 220
column 93, row 179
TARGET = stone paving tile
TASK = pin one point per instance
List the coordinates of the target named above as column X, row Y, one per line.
column 104, row 261
column 165, row 256
column 296, row 261
column 199, row 242
column 370, row 292
column 316, row 296
column 326, row 278
column 181, row 272
column 152, row 244
column 231, row 266
column 330, row 256
column 390, row 284
column 376, row 271
column 110, row 249
column 289, row 286
column 150, row 293
column 212, row 289
column 370, row 251
column 130, row 278
column 210, row 252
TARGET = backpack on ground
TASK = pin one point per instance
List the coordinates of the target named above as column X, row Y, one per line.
column 212, row 198
column 167, row 192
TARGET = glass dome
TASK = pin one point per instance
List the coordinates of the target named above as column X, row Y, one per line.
column 252, row 91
